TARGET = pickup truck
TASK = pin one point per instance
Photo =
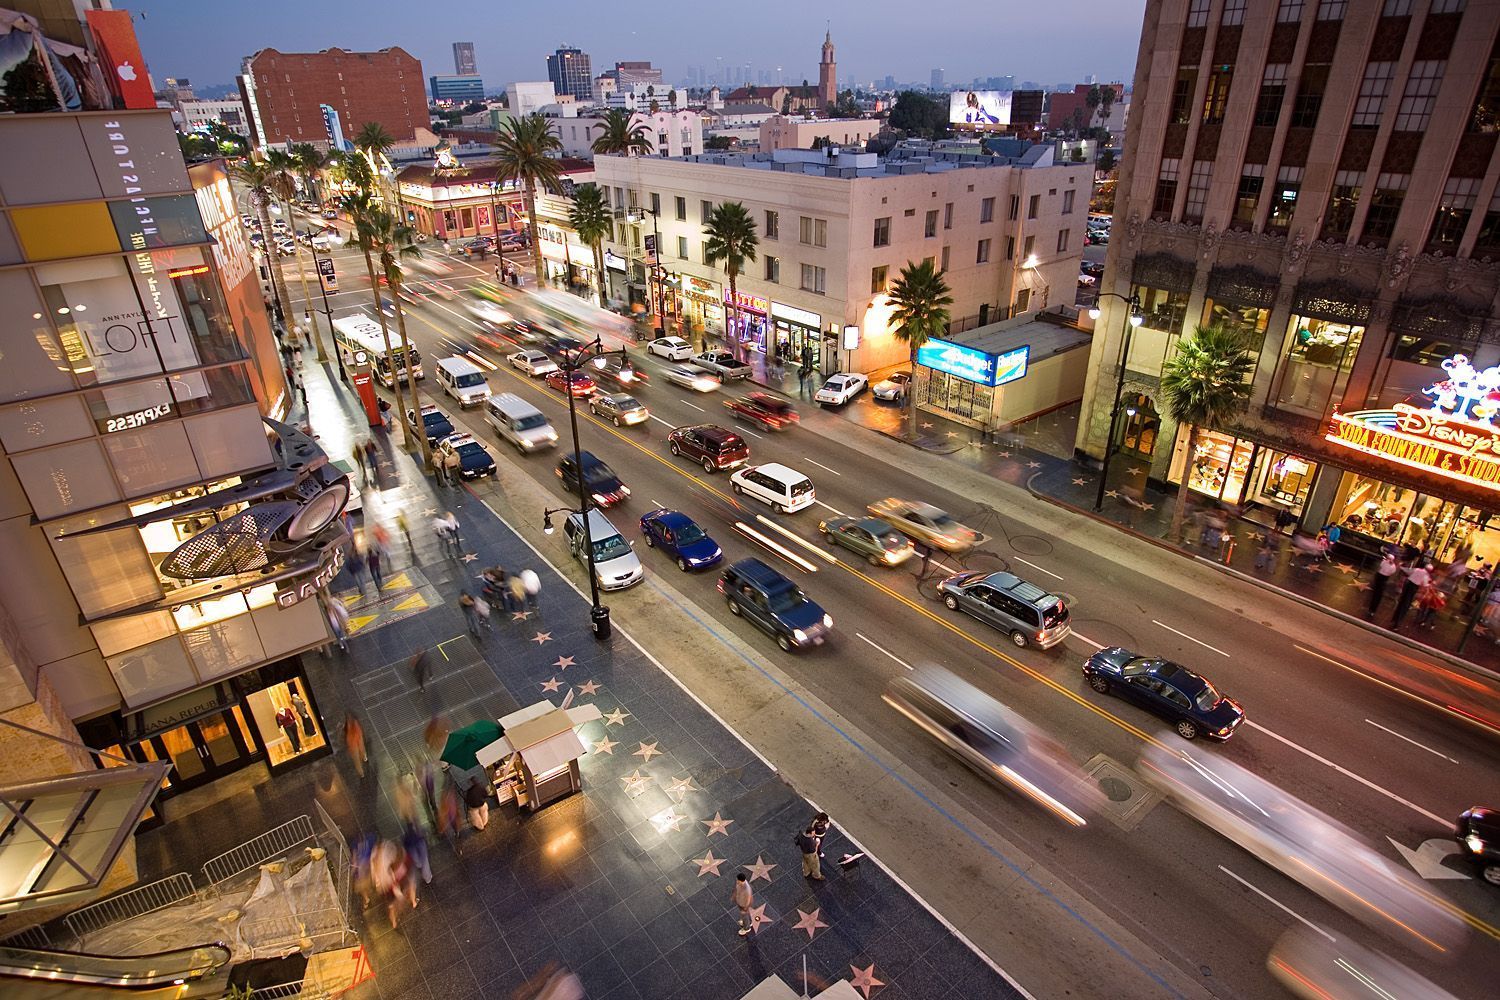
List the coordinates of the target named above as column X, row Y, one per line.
column 722, row 364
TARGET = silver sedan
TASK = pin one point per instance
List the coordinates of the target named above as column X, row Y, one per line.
column 690, row 377
column 620, row 408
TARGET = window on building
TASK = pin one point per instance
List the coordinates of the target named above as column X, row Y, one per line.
column 1332, row 10
column 1216, row 99
column 1447, row 6
column 1272, row 93
column 1197, row 192
column 1248, row 321
column 1385, row 207
column 1015, row 208
column 929, row 228
column 1166, row 189
column 707, row 210
column 1309, row 99
column 1290, row 11
column 1453, row 212
column 1161, row 308
column 1396, row 8
column 814, row 232
column 1234, row 12
column 1284, row 197
column 1182, row 95
column 682, row 250
column 1033, row 206
column 931, row 261
column 1373, row 90
column 773, row 270
column 1338, row 219
column 948, row 215
column 1247, row 197
column 945, row 258
column 1063, row 237
column 681, row 205
column 704, row 257
column 1316, row 359
column 655, row 203
column 1023, row 301
column 1067, row 205
column 877, row 279
column 1487, row 244
column 1028, row 247
column 883, row 231
column 1486, row 114
column 813, row 279
column 1420, row 95
column 982, row 255
column 1010, row 248
column 773, row 225
column 1197, row 13
column 987, row 210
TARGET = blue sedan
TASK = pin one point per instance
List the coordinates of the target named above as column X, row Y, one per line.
column 679, row 536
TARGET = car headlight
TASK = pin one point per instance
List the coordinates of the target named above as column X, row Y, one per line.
column 625, row 490
column 892, row 555
column 799, row 635
column 1474, row 843
column 828, row 621
column 1223, row 732
column 600, row 498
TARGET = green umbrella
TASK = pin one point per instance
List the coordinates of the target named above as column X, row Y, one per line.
column 464, row 743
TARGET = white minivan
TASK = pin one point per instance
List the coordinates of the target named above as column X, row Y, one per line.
column 615, row 561
column 785, row 489
column 462, row 380
column 520, row 423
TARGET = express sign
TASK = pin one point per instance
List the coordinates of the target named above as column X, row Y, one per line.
column 973, row 364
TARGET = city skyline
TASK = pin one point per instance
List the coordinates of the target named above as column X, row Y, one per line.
column 206, row 46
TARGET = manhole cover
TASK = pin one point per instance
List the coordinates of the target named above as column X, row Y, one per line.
column 1126, row 799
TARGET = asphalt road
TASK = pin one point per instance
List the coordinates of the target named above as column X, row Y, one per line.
column 1383, row 763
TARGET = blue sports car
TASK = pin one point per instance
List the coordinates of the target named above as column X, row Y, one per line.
column 679, row 536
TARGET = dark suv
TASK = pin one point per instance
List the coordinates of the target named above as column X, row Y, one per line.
column 602, row 483
column 1478, row 833
column 771, row 412
column 710, row 445
column 774, row 603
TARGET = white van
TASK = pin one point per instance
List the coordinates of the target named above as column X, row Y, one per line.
column 520, row 423
column 615, row 561
column 463, row 381
column 785, row 489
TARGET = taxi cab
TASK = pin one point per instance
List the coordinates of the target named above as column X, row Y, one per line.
column 474, row 459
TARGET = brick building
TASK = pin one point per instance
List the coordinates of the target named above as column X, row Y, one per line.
column 284, row 91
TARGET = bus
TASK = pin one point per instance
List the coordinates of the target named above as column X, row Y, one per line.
column 359, row 334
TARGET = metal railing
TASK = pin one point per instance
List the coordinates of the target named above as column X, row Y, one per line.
column 338, row 864
column 31, row 937
column 128, row 905
column 270, row 845
column 131, row 971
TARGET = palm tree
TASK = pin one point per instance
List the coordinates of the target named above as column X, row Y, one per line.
column 362, row 208
column 391, row 239
column 374, row 141
column 311, row 162
column 283, row 168
column 1205, row 384
column 920, row 301
column 591, row 220
column 521, row 156
column 257, row 176
column 619, row 135
column 732, row 239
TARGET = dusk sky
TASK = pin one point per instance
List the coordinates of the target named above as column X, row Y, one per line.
column 1049, row 42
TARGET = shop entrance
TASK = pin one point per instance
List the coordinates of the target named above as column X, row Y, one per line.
column 202, row 750
column 1139, row 426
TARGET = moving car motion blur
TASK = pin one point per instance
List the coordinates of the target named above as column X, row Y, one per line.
column 1314, row 968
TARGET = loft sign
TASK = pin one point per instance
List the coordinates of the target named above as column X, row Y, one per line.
column 328, row 568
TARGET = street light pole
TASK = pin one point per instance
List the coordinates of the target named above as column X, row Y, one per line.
column 1133, row 319
column 338, row 355
column 661, row 298
column 572, row 361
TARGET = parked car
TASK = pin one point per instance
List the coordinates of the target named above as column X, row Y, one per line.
column 479, row 246
column 330, row 213
column 1022, row 610
column 770, row 413
column 775, row 604
column 616, row 566
column 578, row 383
column 600, row 480
column 474, row 459
column 839, row 389
column 1478, row 833
column 671, row 348
column 1190, row 703
column 692, row 378
column 722, row 364
column 876, row 540
column 619, row 408
column 533, row 363
column 929, row 525
column 1087, row 280
column 711, row 446
column 774, row 484
column 435, row 423
column 618, row 372
column 894, row 388
column 680, row 537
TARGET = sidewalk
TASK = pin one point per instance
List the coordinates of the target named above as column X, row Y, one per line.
column 627, row 883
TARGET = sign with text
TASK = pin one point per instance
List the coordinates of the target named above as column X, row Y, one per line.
column 747, row 302
column 124, row 69
column 1444, row 444
column 972, row 364
column 328, row 568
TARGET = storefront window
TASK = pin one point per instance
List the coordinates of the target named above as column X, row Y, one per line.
column 1220, row 465
column 1163, row 309
column 958, row 396
column 285, row 720
column 1284, row 480
column 1318, row 356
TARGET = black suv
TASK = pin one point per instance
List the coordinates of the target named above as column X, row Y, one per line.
column 776, row 604
column 710, row 445
column 603, row 484
column 1478, row 833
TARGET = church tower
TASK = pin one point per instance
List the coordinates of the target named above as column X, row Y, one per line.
column 827, row 81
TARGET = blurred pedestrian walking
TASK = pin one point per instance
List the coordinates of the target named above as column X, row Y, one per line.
column 471, row 616
column 533, row 584
column 477, row 798
column 421, row 669
column 414, row 840
column 354, row 742
column 743, row 898
column 372, row 560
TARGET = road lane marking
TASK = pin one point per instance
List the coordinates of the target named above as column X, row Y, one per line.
column 1439, row 820
column 698, row 408
column 825, row 468
column 1188, row 637
column 1445, row 709
column 1038, row 568
column 780, row 550
column 659, row 504
column 834, row 509
column 746, row 430
column 1408, row 739
column 1091, row 642
column 887, row 652
column 809, row 546
column 669, row 425
column 1276, row 903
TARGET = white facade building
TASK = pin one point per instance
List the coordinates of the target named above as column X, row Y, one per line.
column 192, row 116
column 670, row 133
column 527, row 98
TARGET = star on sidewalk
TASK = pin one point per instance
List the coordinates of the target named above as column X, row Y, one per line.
column 429, row 512
column 708, row 863
column 1359, row 584
column 551, row 684
column 646, row 752
column 1080, row 481
column 469, row 557
column 1113, row 494
column 953, row 434
column 1033, row 465
column 1133, row 470
column 1003, row 454
column 1148, row 506
column 718, row 824
column 668, row 819
column 809, row 922
column 761, row 869
column 563, row 662
column 606, row 745
column 681, row 786
column 636, row 783
column 926, row 425
column 864, row 979
column 519, row 616
column 588, row 688
column 758, row 917
column 616, row 718
column 542, row 637
column 1344, row 568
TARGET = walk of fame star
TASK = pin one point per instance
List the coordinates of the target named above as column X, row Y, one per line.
column 469, row 557
column 519, row 616
column 1033, row 465
column 681, row 786
column 563, row 662
column 430, row 512
column 864, row 979
column 1113, row 494
column 647, row 751
column 708, row 863
column 606, row 745
column 616, row 718
column 542, row 637
column 718, row 824
column 668, row 819
column 809, row 922
column 636, row 783
column 1080, row 482
column 758, row 917
column 551, row 684
column 588, row 688
column 1003, row 454
column 761, row 869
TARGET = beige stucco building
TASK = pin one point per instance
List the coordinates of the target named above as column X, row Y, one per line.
column 1322, row 176
column 786, row 132
column 835, row 230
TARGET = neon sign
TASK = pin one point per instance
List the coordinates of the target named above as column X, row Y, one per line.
column 972, row 364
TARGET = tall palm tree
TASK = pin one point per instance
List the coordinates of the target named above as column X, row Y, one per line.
column 732, row 239
column 618, row 135
column 311, row 162
column 373, row 141
column 377, row 233
column 920, row 299
column 257, row 175
column 522, row 150
column 283, row 181
column 1204, row 385
column 591, row 220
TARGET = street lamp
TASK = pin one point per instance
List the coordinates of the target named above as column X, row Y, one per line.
column 1133, row 320
column 334, row 240
column 656, row 268
column 571, row 361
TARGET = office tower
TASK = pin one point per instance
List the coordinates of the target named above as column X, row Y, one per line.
column 463, row 59
column 569, row 70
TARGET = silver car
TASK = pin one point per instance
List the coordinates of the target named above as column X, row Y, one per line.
column 615, row 562
column 1024, row 611
column 620, row 408
column 690, row 377
column 533, row 363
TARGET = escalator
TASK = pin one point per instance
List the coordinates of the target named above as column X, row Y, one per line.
column 45, row 974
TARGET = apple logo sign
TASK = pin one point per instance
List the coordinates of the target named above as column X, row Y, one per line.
column 126, row 71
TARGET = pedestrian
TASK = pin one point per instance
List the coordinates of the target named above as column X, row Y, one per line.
column 362, row 858
column 405, row 529
column 1383, row 573
column 286, row 352
column 435, row 734
column 302, row 392
column 297, row 352
column 385, row 414
column 372, row 459
column 290, row 374
column 445, row 526
column 300, row 707
column 1417, row 577
column 477, row 798
column 414, row 841
column 451, row 521
column 421, row 669
column 391, row 873
column 533, row 584
column 482, row 610
column 515, row 598
column 338, row 620
column 808, row 843
column 471, row 616
column 450, row 814
column 743, row 897
column 359, row 457
column 1430, row 601
column 1265, row 556
column 372, row 560
column 354, row 742
column 439, row 468
column 453, row 467
column 820, row 825
column 356, row 568
column 287, row 720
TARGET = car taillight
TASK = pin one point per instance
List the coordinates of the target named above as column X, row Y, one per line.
column 719, row 586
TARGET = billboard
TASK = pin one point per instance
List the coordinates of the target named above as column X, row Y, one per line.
column 979, row 108
column 972, row 364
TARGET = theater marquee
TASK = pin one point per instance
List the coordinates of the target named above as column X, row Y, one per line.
column 1443, row 444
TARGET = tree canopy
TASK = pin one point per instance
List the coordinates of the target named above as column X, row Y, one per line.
column 917, row 114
